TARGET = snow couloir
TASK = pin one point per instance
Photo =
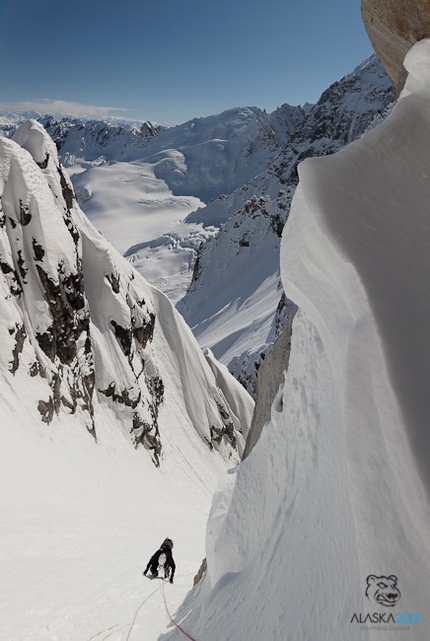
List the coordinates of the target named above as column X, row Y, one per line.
column 114, row 425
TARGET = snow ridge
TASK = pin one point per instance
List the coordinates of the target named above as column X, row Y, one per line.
column 82, row 323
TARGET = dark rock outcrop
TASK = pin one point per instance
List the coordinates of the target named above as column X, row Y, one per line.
column 393, row 26
column 270, row 377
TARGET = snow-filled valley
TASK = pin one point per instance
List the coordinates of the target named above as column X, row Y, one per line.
column 160, row 195
column 117, row 430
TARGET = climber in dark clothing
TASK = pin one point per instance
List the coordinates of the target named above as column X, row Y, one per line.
column 162, row 559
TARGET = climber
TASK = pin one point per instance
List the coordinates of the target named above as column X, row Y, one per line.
column 162, row 559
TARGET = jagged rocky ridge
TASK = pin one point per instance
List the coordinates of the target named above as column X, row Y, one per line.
column 83, row 326
column 96, row 140
column 252, row 220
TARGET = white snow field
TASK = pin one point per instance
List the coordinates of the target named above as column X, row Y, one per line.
column 127, row 202
column 138, row 213
column 79, row 522
column 329, row 514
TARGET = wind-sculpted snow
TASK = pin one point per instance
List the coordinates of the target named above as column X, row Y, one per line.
column 335, row 494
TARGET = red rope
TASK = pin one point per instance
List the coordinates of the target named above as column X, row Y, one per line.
column 173, row 620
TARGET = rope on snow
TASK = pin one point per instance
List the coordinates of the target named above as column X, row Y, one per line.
column 110, row 630
column 173, row 620
column 137, row 611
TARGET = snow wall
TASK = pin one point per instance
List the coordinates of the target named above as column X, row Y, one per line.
column 323, row 532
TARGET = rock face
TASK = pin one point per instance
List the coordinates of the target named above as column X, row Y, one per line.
column 271, row 376
column 393, row 26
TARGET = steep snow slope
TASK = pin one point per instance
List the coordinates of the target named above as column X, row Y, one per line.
column 323, row 531
column 235, row 316
column 80, row 521
column 114, row 425
column 78, row 317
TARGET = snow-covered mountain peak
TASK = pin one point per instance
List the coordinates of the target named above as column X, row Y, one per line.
column 151, row 178
column 98, row 140
column 203, row 157
column 32, row 137
column 233, row 122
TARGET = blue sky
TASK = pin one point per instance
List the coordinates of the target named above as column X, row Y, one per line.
column 172, row 60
